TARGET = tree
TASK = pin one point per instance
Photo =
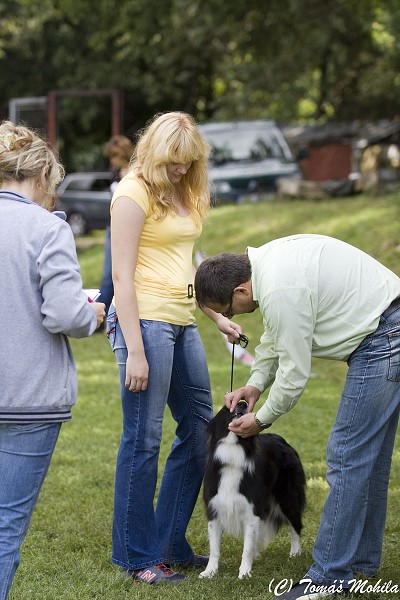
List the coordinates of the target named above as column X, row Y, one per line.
column 292, row 60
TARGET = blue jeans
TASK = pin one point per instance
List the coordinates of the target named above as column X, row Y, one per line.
column 359, row 454
column 25, row 454
column 178, row 376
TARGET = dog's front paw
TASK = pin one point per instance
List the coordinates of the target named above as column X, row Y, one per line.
column 208, row 574
column 244, row 573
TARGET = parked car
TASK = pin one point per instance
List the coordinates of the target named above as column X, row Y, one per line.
column 247, row 158
column 85, row 198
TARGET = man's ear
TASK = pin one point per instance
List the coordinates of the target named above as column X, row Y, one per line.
column 244, row 289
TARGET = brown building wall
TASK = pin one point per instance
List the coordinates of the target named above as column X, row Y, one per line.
column 331, row 161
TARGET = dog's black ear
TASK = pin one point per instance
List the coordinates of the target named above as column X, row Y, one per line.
column 224, row 416
column 217, row 428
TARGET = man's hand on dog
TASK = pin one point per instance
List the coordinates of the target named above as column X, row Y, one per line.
column 244, row 426
column 249, row 393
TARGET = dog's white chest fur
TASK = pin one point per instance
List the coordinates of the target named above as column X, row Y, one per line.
column 232, row 508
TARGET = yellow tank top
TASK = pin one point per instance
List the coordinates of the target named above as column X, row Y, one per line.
column 164, row 271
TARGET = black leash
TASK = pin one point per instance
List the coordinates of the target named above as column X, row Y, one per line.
column 243, row 341
column 240, row 408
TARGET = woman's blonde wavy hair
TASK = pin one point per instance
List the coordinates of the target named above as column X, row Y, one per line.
column 170, row 138
column 23, row 154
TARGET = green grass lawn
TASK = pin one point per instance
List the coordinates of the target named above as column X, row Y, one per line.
column 66, row 555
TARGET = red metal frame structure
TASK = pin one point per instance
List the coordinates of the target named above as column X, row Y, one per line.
column 116, row 109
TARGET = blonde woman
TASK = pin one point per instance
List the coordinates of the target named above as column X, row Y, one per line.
column 156, row 216
column 42, row 302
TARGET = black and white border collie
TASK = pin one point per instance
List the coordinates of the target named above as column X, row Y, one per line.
column 251, row 487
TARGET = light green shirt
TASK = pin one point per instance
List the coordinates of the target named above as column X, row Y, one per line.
column 318, row 297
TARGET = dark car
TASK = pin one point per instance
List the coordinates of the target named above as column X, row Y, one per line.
column 85, row 198
column 247, row 158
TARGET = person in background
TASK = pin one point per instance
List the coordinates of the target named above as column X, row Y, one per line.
column 322, row 297
column 41, row 303
column 156, row 215
column 118, row 150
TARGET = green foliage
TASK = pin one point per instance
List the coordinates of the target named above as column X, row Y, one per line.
column 66, row 555
column 295, row 60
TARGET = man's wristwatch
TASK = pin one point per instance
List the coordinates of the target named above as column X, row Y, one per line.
column 261, row 425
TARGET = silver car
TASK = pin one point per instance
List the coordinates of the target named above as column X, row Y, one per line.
column 247, row 159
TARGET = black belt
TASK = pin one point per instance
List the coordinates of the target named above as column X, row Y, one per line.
column 392, row 307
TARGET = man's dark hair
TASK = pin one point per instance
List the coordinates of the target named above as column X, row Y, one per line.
column 218, row 276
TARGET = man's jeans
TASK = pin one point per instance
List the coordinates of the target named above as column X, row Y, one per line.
column 359, row 454
column 178, row 376
column 25, row 454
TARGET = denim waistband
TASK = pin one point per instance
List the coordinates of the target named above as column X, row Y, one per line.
column 392, row 307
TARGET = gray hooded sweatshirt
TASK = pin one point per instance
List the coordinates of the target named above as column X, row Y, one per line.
column 41, row 303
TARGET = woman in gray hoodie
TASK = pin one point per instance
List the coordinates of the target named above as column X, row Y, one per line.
column 41, row 303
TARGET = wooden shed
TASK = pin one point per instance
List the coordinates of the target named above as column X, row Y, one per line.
column 344, row 158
